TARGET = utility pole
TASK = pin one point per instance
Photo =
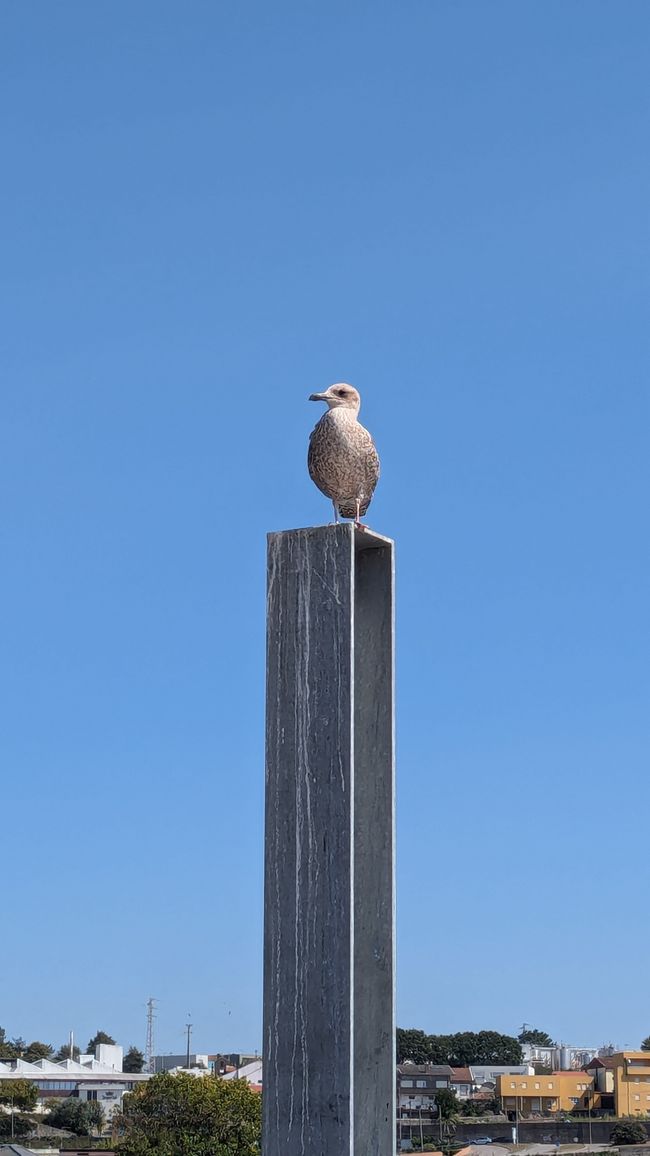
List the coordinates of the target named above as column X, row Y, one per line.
column 188, row 1028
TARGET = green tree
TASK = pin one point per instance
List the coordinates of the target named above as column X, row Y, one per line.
column 535, row 1036
column 447, row 1103
column 412, row 1044
column 11, row 1049
column 81, row 1116
column 490, row 1107
column 133, row 1060
column 496, row 1048
column 64, row 1053
column 185, row 1115
column 628, row 1132
column 645, row 1046
column 460, row 1050
column 15, row 1127
column 467, row 1048
column 37, row 1051
column 17, row 1049
column 21, row 1094
column 99, row 1038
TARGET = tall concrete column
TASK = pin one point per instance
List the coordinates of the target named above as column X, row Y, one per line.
column 329, row 1050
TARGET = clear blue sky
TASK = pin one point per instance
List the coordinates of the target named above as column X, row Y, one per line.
column 209, row 211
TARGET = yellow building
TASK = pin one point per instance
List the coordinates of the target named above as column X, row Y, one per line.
column 621, row 1084
column 617, row 1085
column 537, row 1095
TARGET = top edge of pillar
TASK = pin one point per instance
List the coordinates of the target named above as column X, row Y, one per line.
column 364, row 539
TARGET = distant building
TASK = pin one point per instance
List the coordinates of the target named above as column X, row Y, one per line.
column 170, row 1062
column 17, row 1150
column 558, row 1057
column 489, row 1073
column 99, row 1078
column 224, row 1061
column 417, row 1085
column 10, row 1149
column 462, row 1083
column 252, row 1073
column 620, row 1084
column 219, row 1062
column 467, row 1082
column 538, row 1095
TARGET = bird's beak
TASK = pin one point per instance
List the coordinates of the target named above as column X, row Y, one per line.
column 317, row 397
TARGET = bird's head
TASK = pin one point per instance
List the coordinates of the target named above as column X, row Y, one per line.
column 341, row 396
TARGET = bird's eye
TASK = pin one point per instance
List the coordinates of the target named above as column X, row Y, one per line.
column 341, row 392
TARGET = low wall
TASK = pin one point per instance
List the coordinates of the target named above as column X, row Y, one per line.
column 530, row 1131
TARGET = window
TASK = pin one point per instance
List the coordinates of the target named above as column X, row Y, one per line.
column 537, row 1085
column 637, row 1097
column 524, row 1084
column 574, row 1099
column 512, row 1085
column 441, row 1083
column 92, row 1095
column 550, row 1087
column 407, row 1083
column 420, row 1083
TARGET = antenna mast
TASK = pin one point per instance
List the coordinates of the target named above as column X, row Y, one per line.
column 149, row 1046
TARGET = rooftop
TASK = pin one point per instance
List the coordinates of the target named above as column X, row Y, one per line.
column 409, row 1069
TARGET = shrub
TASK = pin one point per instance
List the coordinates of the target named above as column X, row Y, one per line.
column 628, row 1133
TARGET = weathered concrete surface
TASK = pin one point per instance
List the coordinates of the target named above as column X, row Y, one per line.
column 329, row 891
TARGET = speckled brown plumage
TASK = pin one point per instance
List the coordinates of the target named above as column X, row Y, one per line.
column 342, row 459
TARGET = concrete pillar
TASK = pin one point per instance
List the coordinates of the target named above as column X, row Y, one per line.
column 329, row 1050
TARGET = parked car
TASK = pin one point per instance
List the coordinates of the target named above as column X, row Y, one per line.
column 481, row 1140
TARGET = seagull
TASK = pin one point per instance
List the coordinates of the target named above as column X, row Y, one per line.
column 342, row 459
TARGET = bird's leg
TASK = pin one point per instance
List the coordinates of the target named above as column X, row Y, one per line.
column 357, row 521
column 336, row 513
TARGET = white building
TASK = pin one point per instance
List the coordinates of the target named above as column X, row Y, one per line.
column 488, row 1073
column 560, row 1057
column 252, row 1073
column 99, row 1078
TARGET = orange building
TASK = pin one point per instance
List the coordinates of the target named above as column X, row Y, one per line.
column 621, row 1084
column 537, row 1095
